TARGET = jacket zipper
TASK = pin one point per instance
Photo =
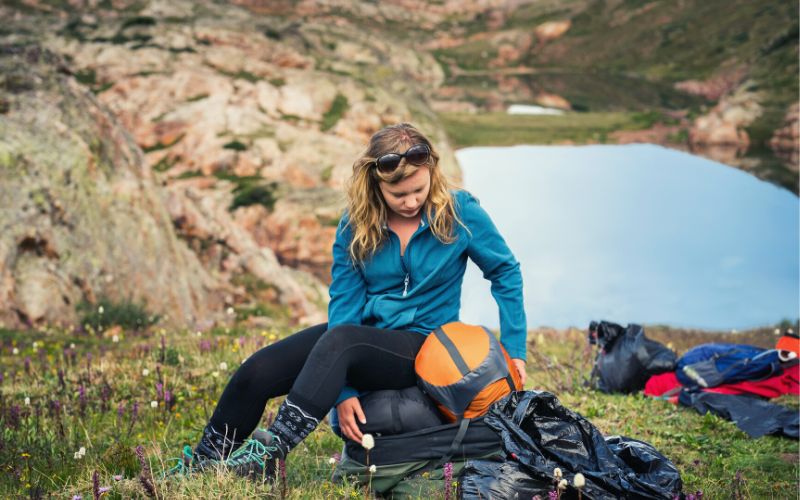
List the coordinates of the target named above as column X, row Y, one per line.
column 407, row 278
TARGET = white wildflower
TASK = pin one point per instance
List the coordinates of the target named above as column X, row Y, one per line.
column 15, row 351
column 372, row 469
column 557, row 473
column 199, row 333
column 145, row 372
column 367, row 441
column 215, row 374
column 579, row 481
column 153, row 404
column 223, row 366
column 332, row 461
column 80, row 453
column 562, row 485
column 115, row 339
column 100, row 310
column 72, row 345
column 230, row 311
column 27, row 401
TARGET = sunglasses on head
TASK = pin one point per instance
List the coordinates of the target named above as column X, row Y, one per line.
column 418, row 154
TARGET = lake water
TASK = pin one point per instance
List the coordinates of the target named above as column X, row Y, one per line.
column 636, row 233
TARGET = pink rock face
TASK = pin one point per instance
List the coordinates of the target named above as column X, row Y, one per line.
column 786, row 140
column 552, row 101
column 552, row 30
column 724, row 124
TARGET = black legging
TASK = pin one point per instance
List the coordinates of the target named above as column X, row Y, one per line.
column 312, row 366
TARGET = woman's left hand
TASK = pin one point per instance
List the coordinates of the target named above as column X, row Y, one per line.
column 519, row 364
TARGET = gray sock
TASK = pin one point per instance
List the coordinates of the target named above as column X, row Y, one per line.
column 215, row 444
column 292, row 424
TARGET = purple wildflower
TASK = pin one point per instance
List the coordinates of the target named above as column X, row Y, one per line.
column 77, row 497
column 205, row 346
column 118, row 477
column 159, row 389
column 120, row 410
column 241, row 341
column 104, row 489
column 96, row 485
column 13, row 417
column 82, row 400
column 134, row 416
column 552, row 495
column 105, row 395
column 282, row 473
column 448, row 480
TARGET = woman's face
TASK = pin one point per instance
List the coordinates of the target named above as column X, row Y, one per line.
column 406, row 198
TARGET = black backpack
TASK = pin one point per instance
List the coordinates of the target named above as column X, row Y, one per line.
column 626, row 358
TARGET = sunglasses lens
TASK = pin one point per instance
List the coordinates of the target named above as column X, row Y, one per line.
column 418, row 155
column 387, row 163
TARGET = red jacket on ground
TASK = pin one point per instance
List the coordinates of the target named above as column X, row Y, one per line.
column 787, row 382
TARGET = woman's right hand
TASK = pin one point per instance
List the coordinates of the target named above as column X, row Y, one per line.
column 348, row 411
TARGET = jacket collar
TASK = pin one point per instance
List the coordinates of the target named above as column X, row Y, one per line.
column 423, row 222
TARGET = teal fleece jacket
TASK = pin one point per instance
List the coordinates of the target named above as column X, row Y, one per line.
column 421, row 290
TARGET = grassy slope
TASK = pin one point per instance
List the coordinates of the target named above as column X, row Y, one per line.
column 501, row 129
column 37, row 450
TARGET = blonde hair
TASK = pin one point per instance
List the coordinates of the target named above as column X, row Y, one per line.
column 366, row 209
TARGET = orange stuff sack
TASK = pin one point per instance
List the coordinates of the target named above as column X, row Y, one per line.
column 465, row 369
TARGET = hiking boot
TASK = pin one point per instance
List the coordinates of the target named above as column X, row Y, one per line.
column 189, row 463
column 257, row 459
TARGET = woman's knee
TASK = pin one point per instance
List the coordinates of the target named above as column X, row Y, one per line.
column 337, row 338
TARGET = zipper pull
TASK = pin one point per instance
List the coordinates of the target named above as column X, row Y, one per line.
column 405, row 285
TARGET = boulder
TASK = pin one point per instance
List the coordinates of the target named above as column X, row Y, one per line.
column 82, row 215
column 724, row 124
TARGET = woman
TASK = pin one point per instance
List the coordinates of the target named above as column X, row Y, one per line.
column 398, row 263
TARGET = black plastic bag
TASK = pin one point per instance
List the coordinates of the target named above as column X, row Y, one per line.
column 539, row 434
column 754, row 416
column 626, row 358
column 501, row 479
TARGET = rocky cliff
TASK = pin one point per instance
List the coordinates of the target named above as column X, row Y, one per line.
column 81, row 213
column 215, row 144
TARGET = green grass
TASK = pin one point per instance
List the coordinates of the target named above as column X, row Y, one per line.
column 501, row 129
column 51, row 365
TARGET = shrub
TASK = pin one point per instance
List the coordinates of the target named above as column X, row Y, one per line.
column 335, row 112
column 106, row 313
